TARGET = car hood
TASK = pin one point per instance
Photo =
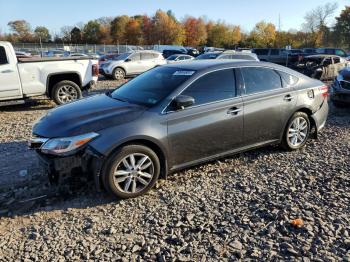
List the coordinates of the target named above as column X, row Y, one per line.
column 87, row 115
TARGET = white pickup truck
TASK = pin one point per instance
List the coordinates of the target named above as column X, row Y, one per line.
column 60, row 79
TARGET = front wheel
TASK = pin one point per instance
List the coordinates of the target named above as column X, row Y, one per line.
column 65, row 91
column 118, row 74
column 296, row 132
column 130, row 172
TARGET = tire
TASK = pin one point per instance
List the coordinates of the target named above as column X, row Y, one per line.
column 65, row 91
column 293, row 140
column 128, row 180
column 118, row 73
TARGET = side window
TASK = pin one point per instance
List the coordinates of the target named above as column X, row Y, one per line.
column 146, row 56
column 275, row 52
column 261, row 51
column 155, row 55
column 3, row 57
column 212, row 87
column 259, row 79
column 287, row 79
column 225, row 57
column 135, row 57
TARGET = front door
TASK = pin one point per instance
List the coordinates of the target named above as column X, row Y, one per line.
column 10, row 85
column 212, row 126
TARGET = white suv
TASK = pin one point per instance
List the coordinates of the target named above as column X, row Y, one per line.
column 132, row 63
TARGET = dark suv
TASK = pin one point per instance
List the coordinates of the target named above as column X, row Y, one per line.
column 176, row 116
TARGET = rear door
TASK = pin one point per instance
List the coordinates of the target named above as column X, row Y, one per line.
column 147, row 61
column 213, row 125
column 10, row 85
column 267, row 104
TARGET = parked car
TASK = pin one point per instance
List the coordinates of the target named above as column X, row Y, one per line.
column 238, row 55
column 209, row 55
column 278, row 56
column 132, row 63
column 106, row 57
column 322, row 67
column 23, row 55
column 167, row 53
column 331, row 51
column 61, row 79
column 176, row 116
column 340, row 90
column 192, row 51
column 178, row 58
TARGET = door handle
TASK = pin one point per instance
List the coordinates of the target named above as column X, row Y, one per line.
column 7, row 71
column 234, row 111
column 288, row 98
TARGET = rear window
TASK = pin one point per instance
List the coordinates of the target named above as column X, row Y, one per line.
column 244, row 57
column 287, row 79
column 3, row 57
column 259, row 79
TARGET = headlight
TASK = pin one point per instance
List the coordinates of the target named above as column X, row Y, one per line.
column 64, row 145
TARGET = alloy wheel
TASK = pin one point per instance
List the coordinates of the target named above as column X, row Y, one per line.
column 133, row 173
column 67, row 94
column 297, row 132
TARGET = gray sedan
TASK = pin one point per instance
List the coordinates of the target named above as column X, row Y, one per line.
column 176, row 116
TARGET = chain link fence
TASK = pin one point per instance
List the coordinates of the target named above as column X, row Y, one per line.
column 36, row 48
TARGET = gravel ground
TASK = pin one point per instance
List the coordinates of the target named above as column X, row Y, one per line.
column 237, row 208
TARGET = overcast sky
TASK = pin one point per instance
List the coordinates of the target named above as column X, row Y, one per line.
column 55, row 14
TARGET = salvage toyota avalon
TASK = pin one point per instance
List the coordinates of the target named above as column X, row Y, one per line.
column 176, row 116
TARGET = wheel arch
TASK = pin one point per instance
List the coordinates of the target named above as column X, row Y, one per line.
column 54, row 78
column 153, row 146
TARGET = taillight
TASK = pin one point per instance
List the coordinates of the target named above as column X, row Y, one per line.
column 95, row 70
column 324, row 90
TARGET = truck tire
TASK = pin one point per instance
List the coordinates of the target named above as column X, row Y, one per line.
column 65, row 91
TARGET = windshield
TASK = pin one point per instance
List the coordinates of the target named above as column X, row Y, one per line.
column 208, row 56
column 152, row 86
column 121, row 56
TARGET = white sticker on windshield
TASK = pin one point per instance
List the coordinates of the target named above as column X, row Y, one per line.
column 183, row 73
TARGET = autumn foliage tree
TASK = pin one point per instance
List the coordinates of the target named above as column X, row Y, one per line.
column 264, row 34
column 195, row 31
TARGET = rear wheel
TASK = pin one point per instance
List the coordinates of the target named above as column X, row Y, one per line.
column 131, row 171
column 65, row 91
column 118, row 74
column 296, row 132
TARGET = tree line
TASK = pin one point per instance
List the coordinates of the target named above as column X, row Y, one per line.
column 164, row 28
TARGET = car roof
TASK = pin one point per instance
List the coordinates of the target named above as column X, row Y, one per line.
column 212, row 64
column 321, row 56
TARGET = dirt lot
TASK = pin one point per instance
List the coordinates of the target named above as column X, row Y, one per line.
column 235, row 208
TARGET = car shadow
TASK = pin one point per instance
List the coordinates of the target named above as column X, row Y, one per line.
column 32, row 104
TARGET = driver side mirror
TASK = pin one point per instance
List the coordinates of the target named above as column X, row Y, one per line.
column 127, row 60
column 182, row 101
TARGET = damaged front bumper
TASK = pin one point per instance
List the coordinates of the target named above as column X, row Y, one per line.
column 85, row 162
